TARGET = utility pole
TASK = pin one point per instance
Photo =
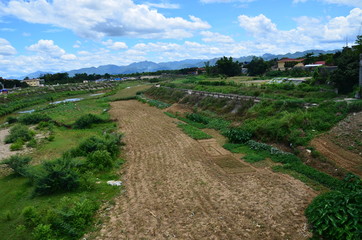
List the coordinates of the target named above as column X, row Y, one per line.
column 359, row 94
column 360, row 70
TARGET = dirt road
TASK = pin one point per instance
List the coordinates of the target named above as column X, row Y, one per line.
column 179, row 188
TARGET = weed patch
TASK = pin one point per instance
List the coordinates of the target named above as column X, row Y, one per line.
column 193, row 132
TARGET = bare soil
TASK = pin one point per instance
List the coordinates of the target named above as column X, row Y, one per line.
column 180, row 188
column 343, row 144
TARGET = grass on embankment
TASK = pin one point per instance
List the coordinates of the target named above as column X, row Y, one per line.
column 18, row 201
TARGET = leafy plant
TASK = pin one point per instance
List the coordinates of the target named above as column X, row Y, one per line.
column 108, row 142
column 34, row 118
column 11, row 119
column 87, row 120
column 236, row 135
column 43, row 232
column 17, row 145
column 336, row 215
column 100, row 160
column 18, row 163
column 193, row 132
column 56, row 176
column 19, row 132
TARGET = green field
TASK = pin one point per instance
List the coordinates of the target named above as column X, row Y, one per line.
column 31, row 215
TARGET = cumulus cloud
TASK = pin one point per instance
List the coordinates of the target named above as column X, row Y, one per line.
column 5, row 48
column 96, row 19
column 215, row 37
column 115, row 45
column 309, row 33
column 47, row 48
column 352, row 3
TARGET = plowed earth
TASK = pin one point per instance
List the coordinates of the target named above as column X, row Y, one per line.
column 180, row 188
column 343, row 144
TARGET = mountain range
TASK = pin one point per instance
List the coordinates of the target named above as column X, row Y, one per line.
column 148, row 66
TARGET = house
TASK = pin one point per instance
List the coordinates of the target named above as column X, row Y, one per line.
column 35, row 82
column 286, row 63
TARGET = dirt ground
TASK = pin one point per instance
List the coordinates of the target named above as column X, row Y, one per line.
column 343, row 144
column 180, row 188
column 5, row 151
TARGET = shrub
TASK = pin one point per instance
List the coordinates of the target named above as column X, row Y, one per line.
column 87, row 120
column 19, row 132
column 31, row 215
column 198, row 118
column 100, row 160
column 18, row 163
column 32, row 143
column 236, row 135
column 43, row 232
column 336, row 215
column 34, row 118
column 72, row 216
column 56, row 176
column 17, row 145
column 11, row 119
column 108, row 142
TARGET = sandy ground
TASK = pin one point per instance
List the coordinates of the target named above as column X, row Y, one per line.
column 179, row 188
column 5, row 148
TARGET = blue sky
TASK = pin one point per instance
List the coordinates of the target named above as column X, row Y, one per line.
column 61, row 35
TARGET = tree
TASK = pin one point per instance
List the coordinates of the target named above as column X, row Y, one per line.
column 346, row 75
column 226, row 66
column 309, row 58
column 257, row 66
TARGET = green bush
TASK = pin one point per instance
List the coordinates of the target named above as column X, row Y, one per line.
column 109, row 142
column 32, row 143
column 43, row 232
column 236, row 135
column 17, row 145
column 34, row 118
column 19, row 132
column 56, row 176
column 18, row 163
column 72, row 216
column 31, row 215
column 100, row 160
column 11, row 119
column 336, row 215
column 198, row 118
column 87, row 120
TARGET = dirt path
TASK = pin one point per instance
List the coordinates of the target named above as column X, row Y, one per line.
column 343, row 158
column 179, row 188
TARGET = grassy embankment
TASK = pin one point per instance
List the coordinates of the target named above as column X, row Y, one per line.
column 30, row 210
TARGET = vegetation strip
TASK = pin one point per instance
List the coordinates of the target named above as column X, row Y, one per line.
column 73, row 178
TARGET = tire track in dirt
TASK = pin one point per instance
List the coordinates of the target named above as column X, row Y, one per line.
column 174, row 190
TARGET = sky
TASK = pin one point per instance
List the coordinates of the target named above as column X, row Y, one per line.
column 62, row 35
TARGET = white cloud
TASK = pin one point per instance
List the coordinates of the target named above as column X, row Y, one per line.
column 96, row 19
column 47, row 49
column 5, row 48
column 352, row 3
column 215, row 37
column 225, row 1
column 77, row 44
column 165, row 5
column 115, row 45
column 7, row 29
column 309, row 33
